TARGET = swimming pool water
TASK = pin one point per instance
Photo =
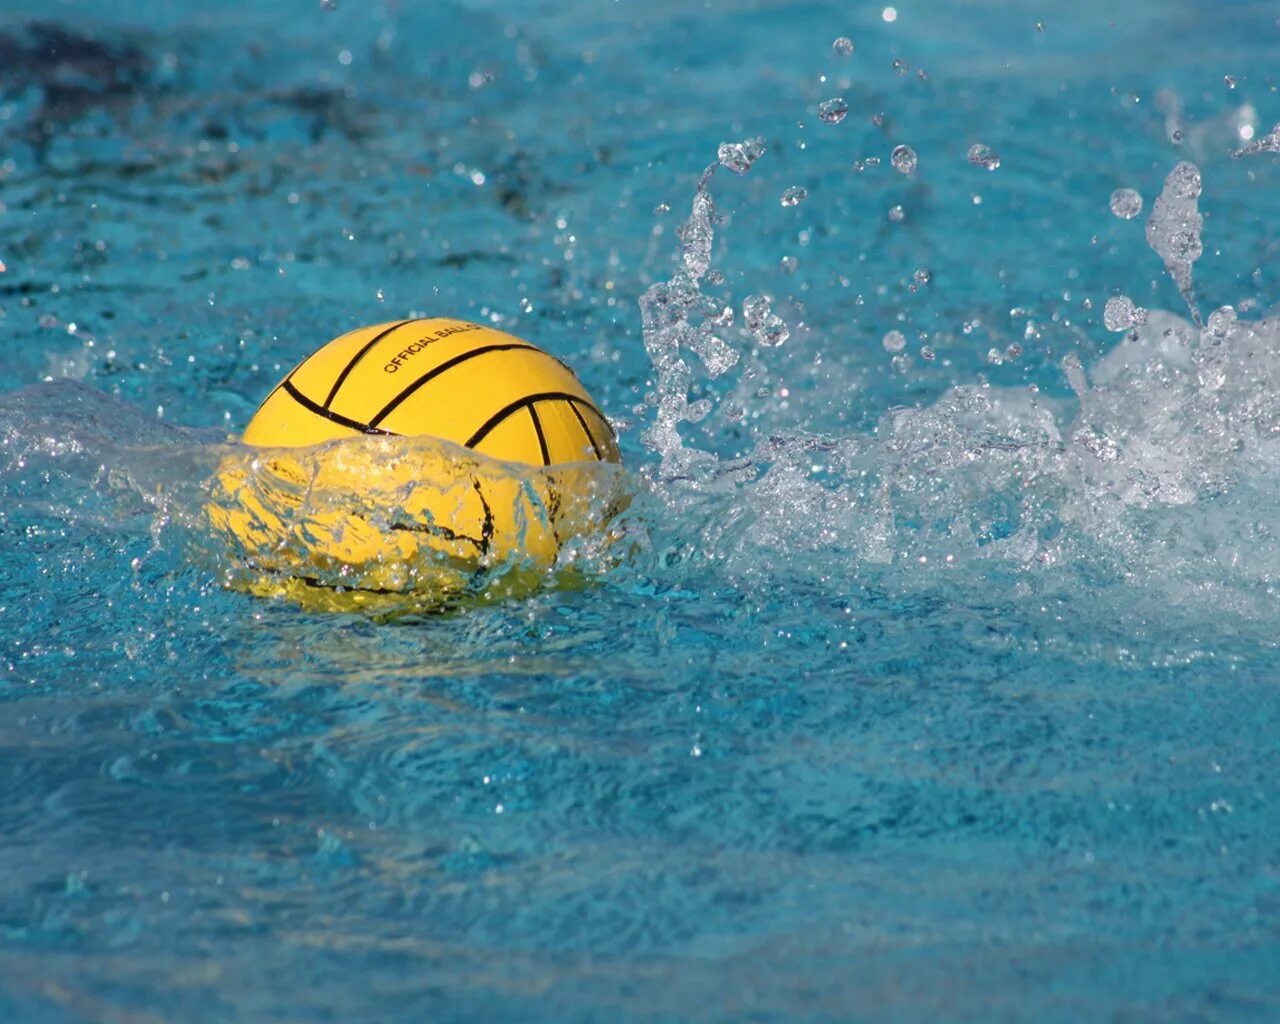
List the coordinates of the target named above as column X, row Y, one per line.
column 939, row 678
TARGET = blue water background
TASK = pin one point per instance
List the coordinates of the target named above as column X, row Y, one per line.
column 748, row 776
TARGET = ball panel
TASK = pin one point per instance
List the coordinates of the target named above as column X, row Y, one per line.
column 316, row 375
column 281, row 421
column 441, row 377
column 417, row 349
column 599, row 431
column 457, row 404
column 513, row 439
column 566, row 435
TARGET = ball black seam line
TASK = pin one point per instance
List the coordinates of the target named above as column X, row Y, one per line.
column 443, row 532
column 542, row 438
column 329, row 414
column 613, row 434
column 333, row 391
column 486, row 528
column 587, row 430
column 518, row 404
column 430, row 375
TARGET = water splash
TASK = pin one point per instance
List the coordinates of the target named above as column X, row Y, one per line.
column 1174, row 228
column 1158, row 473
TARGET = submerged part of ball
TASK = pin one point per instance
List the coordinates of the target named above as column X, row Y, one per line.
column 376, row 522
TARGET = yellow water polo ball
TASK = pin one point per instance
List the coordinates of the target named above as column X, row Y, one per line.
column 380, row 522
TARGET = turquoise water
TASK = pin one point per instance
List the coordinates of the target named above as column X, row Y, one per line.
column 939, row 679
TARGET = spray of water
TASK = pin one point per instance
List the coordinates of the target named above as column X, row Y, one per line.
column 1161, row 473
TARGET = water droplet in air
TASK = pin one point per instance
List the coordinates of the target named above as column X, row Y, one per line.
column 1173, row 229
column 904, row 159
column 897, row 213
column 833, row 111
column 843, row 46
column 765, row 326
column 894, row 341
column 1121, row 314
column 983, row 156
column 739, row 156
column 1075, row 374
column 794, row 196
column 1126, row 203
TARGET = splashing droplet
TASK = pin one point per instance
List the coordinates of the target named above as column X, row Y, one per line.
column 904, row 159
column 1126, row 203
column 843, row 46
column 1072, row 367
column 794, row 196
column 833, row 111
column 1173, row 229
column 983, row 156
column 739, row 156
column 1121, row 314
column 765, row 326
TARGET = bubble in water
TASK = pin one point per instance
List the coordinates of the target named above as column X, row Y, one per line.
column 833, row 111
column 1229, row 81
column 922, row 276
column 843, row 46
column 904, row 159
column 1126, row 203
column 983, row 156
column 794, row 196
column 739, row 156
column 328, row 5
column 900, row 66
column 901, row 362
column 789, row 264
column 894, row 341
column 1121, row 314
column 897, row 213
